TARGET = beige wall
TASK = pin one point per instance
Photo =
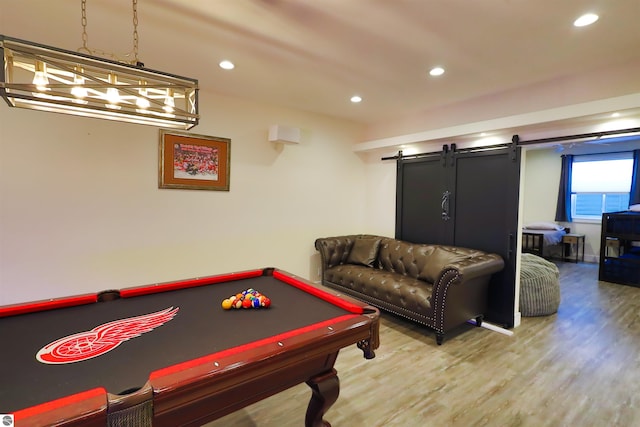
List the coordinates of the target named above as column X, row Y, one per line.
column 380, row 203
column 80, row 208
column 541, row 179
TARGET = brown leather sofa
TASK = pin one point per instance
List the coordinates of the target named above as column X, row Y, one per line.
column 438, row 286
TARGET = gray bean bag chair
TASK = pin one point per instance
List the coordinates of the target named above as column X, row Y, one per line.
column 539, row 286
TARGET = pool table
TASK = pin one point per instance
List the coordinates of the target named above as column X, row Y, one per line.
column 168, row 354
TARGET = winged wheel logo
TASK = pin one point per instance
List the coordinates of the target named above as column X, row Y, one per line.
column 102, row 338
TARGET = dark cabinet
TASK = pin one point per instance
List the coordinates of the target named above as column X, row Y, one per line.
column 620, row 248
column 465, row 198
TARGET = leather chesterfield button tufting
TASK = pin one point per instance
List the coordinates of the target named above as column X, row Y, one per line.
column 438, row 286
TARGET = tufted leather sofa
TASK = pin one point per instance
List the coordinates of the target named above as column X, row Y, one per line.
column 438, row 286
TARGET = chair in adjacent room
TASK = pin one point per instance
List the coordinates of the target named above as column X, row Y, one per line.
column 539, row 286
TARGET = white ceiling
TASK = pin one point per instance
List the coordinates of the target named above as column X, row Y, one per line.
column 502, row 57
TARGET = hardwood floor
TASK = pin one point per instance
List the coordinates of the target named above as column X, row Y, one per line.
column 579, row 367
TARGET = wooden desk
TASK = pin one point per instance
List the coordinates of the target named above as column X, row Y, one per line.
column 569, row 240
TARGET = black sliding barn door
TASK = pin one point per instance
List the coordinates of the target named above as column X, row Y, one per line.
column 486, row 218
column 420, row 186
column 469, row 199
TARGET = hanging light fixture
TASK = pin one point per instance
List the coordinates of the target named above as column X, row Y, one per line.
column 45, row 78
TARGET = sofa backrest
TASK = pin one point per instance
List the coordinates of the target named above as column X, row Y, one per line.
column 417, row 260
column 402, row 257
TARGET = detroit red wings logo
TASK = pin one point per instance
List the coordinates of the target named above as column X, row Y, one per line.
column 103, row 338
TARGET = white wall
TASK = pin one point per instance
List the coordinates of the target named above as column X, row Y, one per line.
column 80, row 208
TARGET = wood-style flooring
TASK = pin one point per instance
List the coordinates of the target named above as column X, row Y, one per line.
column 579, row 367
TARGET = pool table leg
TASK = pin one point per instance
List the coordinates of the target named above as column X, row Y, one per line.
column 325, row 388
column 367, row 349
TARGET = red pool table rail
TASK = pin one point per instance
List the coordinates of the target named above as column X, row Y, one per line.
column 44, row 305
column 86, row 409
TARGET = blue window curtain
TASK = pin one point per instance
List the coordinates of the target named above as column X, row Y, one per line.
column 634, row 195
column 563, row 208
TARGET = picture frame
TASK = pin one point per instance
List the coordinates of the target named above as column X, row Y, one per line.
column 193, row 162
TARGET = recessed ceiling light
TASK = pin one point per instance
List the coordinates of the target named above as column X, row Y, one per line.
column 355, row 99
column 437, row 71
column 227, row 65
column 586, row 19
column 615, row 115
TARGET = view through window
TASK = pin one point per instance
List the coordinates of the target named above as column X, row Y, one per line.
column 600, row 183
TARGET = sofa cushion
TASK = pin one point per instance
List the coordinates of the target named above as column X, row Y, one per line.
column 384, row 288
column 439, row 258
column 364, row 251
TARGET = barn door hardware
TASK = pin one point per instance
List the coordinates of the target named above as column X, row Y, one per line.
column 445, row 205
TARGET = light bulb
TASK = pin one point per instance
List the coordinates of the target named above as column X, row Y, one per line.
column 78, row 90
column 40, row 76
column 227, row 65
column 142, row 101
column 169, row 102
column 113, row 96
column 586, row 19
column 437, row 71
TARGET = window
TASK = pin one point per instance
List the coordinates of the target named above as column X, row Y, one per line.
column 600, row 183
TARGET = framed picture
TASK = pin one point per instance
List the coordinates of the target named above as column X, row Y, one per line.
column 193, row 162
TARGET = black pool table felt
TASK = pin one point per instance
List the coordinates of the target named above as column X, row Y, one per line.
column 200, row 327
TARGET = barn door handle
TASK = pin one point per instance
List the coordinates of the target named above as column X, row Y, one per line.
column 445, row 205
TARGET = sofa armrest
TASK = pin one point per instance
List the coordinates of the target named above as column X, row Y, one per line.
column 461, row 291
column 480, row 265
column 475, row 270
column 333, row 250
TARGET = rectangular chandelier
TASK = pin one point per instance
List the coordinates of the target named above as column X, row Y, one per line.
column 46, row 78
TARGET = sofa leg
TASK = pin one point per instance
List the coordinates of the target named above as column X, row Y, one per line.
column 439, row 338
column 479, row 320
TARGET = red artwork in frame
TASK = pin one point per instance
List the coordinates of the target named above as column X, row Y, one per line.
column 193, row 162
